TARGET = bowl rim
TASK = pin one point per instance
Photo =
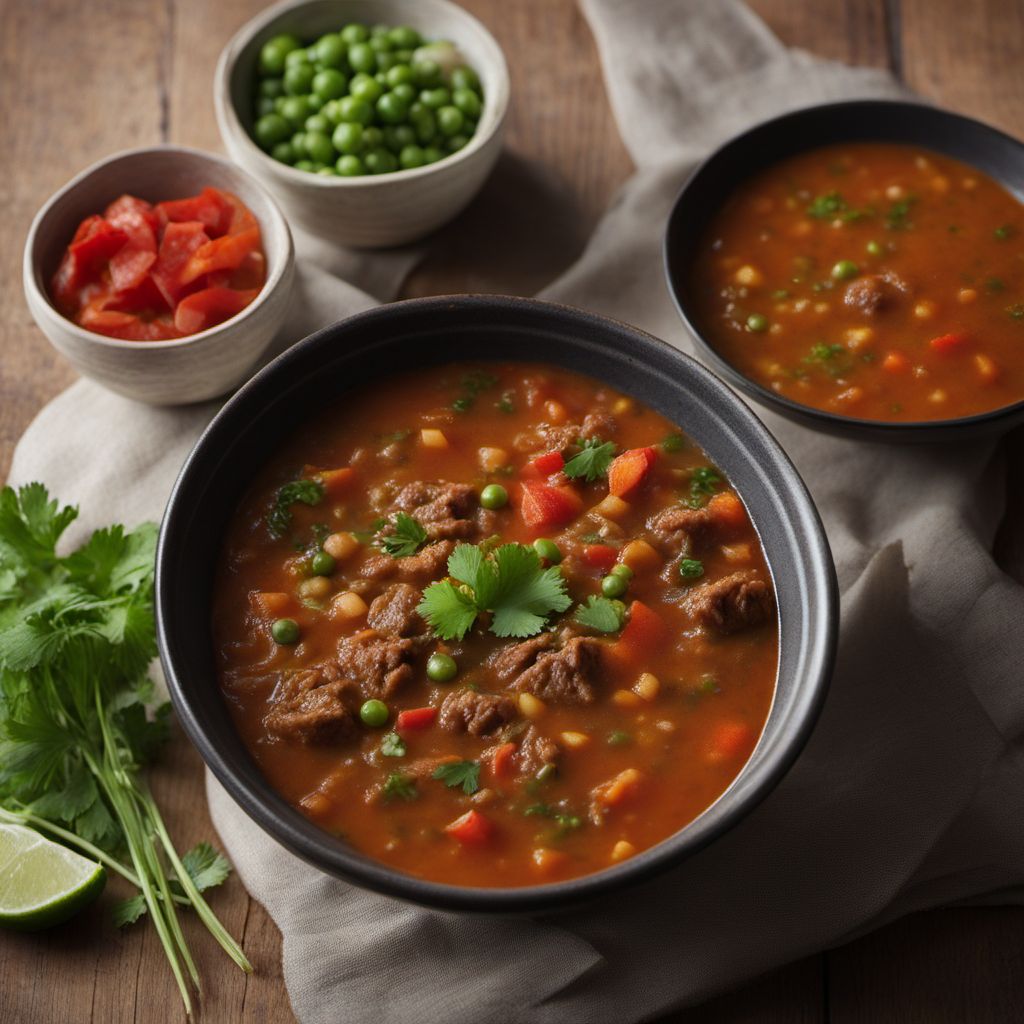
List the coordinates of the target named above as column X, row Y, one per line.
column 230, row 123
column 277, row 274
column 827, row 421
column 276, row 817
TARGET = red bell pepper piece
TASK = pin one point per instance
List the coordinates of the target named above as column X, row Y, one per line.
column 211, row 208
column 225, row 253
column 180, row 241
column 544, row 465
column 94, row 243
column 949, row 342
column 645, row 632
column 130, row 264
column 629, row 469
column 600, row 556
column 415, row 719
column 544, row 505
column 472, row 829
column 209, row 307
column 501, row 761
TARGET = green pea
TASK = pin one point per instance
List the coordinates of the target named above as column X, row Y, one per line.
column 314, row 102
column 456, row 142
column 411, row 157
column 435, row 98
column 548, row 550
column 380, row 31
column 272, row 87
column 305, row 165
column 380, row 161
column 614, row 586
column 618, row 738
column 757, row 322
column 365, row 87
column 426, row 73
column 874, row 248
column 404, row 37
column 317, row 123
column 329, row 84
column 373, row 137
column 322, row 563
column 274, row 53
column 380, row 42
column 844, row 270
column 353, row 33
column 311, row 54
column 331, row 51
column 350, row 108
column 298, row 79
column 467, row 101
column 432, row 154
column 386, row 61
column 392, row 109
column 327, row 172
column 691, row 569
column 298, row 56
column 398, row 136
column 405, row 92
column 319, row 148
column 441, row 668
column 265, row 105
column 404, row 56
column 348, row 138
column 623, row 570
column 374, row 713
column 295, row 110
column 400, row 74
column 424, row 123
column 298, row 144
column 349, row 166
column 361, row 57
column 494, row 496
column 465, row 78
column 330, row 111
column 271, row 129
column 285, row 152
column 285, row 631
column 450, row 120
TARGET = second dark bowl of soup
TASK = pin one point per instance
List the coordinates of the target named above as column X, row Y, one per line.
column 859, row 267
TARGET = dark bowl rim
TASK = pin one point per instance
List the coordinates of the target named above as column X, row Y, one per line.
column 270, row 812
column 831, row 422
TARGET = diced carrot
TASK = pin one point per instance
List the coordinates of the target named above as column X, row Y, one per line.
column 415, row 719
column 543, row 505
column 730, row 741
column 501, row 761
column 600, row 556
column 336, row 480
column 895, row 362
column 727, row 510
column 548, row 861
column 949, row 342
column 269, row 604
column 988, row 369
column 544, row 465
column 623, row 787
column 472, row 829
column 629, row 470
column 645, row 632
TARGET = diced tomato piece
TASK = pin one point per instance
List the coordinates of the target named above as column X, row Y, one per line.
column 178, row 244
column 472, row 829
column 211, row 208
column 629, row 469
column 730, row 741
column 600, row 556
column 501, row 762
column 209, row 307
column 415, row 718
column 727, row 510
column 544, row 505
column 645, row 632
column 225, row 253
column 544, row 465
column 949, row 342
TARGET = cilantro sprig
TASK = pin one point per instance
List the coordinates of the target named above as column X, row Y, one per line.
column 77, row 638
column 407, row 539
column 508, row 582
column 306, row 492
column 459, row 773
column 592, row 462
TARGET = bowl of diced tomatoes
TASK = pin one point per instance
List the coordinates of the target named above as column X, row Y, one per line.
column 162, row 273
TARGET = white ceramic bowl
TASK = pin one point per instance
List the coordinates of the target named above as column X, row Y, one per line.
column 371, row 210
column 184, row 370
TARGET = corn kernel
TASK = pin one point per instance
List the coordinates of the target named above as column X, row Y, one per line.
column 940, row 184
column 530, row 706
column 736, row 552
column 622, row 849
column 894, row 192
column 341, row 546
column 622, row 406
column 647, row 686
column 925, row 309
column 492, row 459
column 431, row 437
column 625, row 699
column 612, row 507
column 938, row 396
column 800, row 305
column 966, row 295
column 970, row 184
column 850, row 395
column 315, row 804
column 821, row 307
column 348, row 606
column 546, row 860
column 576, row 740
column 748, row 275
column 858, row 337
column 987, row 368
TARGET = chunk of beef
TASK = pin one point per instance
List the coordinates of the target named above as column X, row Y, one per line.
column 394, row 614
column 479, row 714
column 679, row 528
column 379, row 664
column 535, row 750
column 875, row 293
column 564, row 675
column 732, row 603
column 444, row 510
column 313, row 706
column 426, row 565
column 561, row 437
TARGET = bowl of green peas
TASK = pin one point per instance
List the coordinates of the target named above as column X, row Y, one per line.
column 373, row 122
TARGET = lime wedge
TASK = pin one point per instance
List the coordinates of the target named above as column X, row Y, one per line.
column 41, row 882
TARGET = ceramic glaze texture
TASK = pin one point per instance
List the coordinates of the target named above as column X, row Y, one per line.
column 371, row 210
column 191, row 369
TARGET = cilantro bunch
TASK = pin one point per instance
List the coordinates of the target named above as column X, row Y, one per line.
column 508, row 582
column 76, row 640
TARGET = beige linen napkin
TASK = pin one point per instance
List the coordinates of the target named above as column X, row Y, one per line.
column 906, row 795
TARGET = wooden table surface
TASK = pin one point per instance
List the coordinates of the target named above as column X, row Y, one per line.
column 82, row 80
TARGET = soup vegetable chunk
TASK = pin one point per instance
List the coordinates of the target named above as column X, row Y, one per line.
column 872, row 280
column 495, row 625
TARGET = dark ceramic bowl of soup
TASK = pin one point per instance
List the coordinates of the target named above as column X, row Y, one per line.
column 859, row 267
column 493, row 604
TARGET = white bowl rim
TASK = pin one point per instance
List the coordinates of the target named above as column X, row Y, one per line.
column 274, row 279
column 494, row 107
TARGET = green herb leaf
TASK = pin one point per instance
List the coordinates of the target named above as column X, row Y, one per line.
column 592, row 462
column 392, row 745
column 898, row 216
column 459, row 773
column 704, row 481
column 400, row 786
column 205, row 866
column 306, row 492
column 673, row 443
column 601, row 613
column 407, row 539
column 450, row 611
column 691, row 569
column 128, row 911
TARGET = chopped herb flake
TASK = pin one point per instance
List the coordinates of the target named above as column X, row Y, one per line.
column 459, row 773
column 407, row 539
column 392, row 745
column 400, row 786
column 279, row 518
